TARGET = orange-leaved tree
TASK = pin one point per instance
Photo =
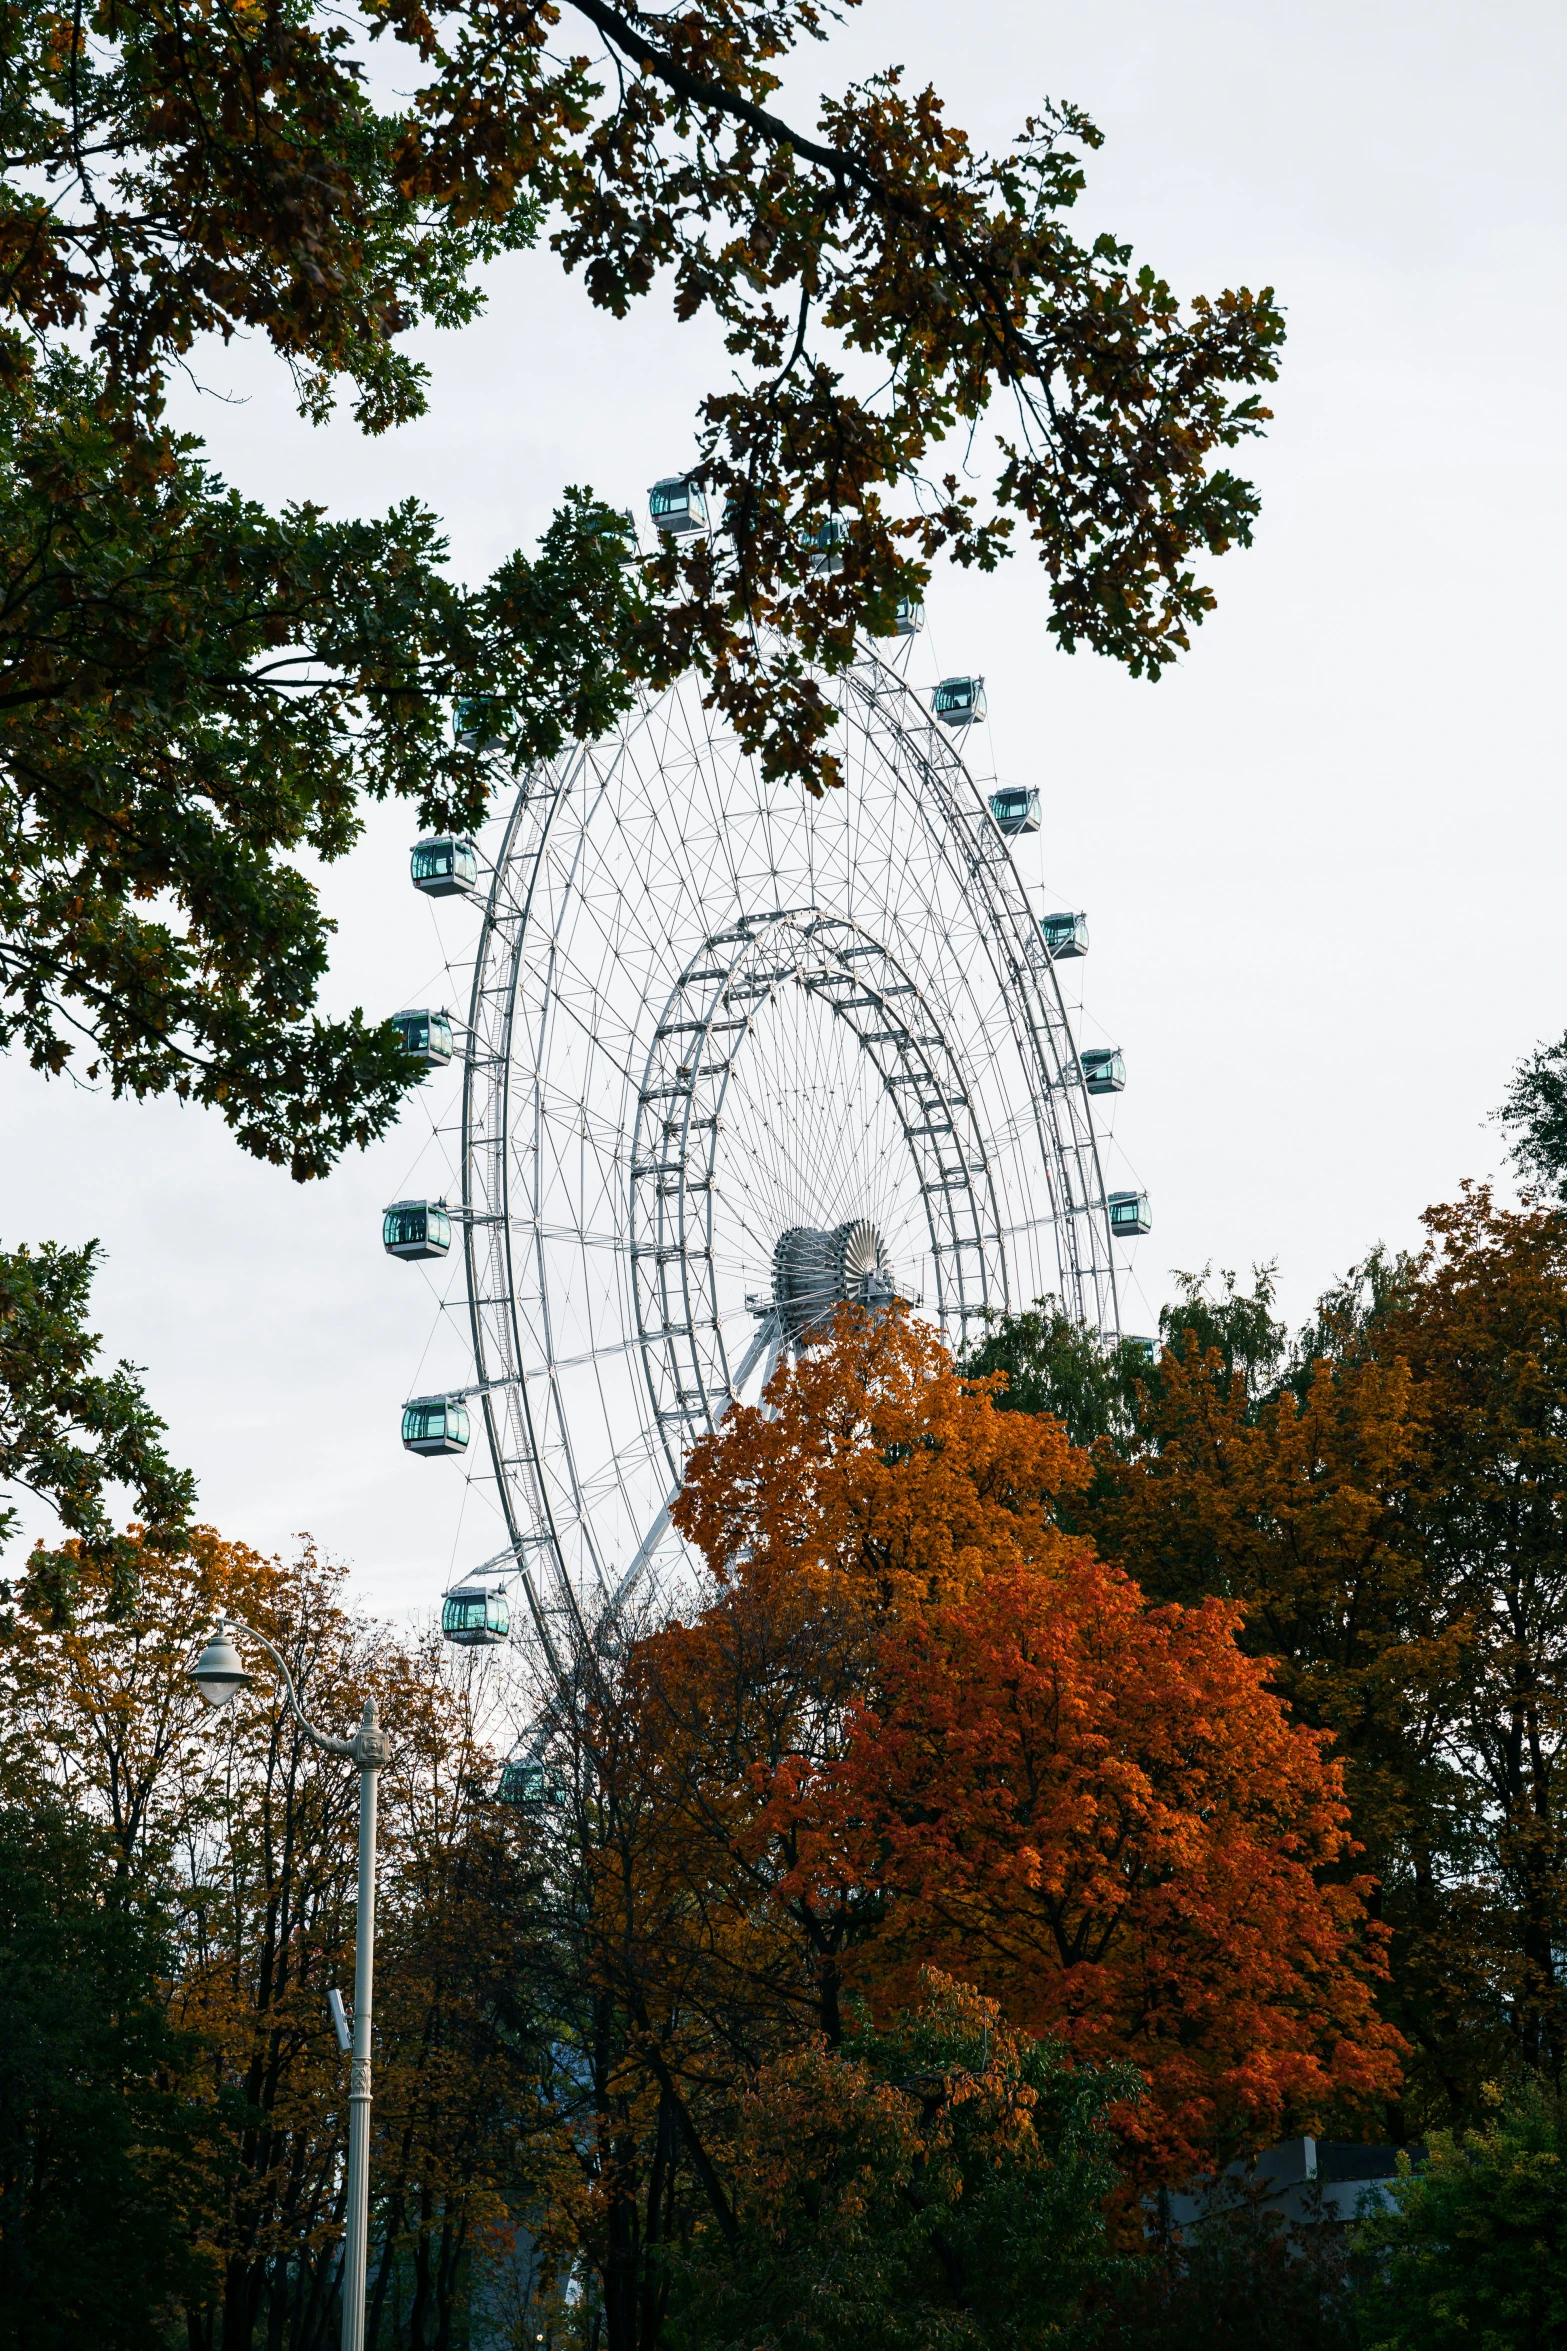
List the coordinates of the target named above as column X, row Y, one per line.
column 1388, row 1501
column 873, row 1460
column 1101, row 1814
column 918, row 1722
column 874, row 1483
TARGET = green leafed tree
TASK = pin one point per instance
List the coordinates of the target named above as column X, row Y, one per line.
column 69, row 1433
column 195, row 691
column 1535, row 1115
column 1474, row 2258
column 939, row 2182
column 96, row 2150
column 1053, row 1364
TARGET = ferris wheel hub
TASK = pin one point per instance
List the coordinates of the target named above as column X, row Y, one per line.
column 816, row 1272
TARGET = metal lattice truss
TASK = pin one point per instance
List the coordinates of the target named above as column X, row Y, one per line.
column 718, row 1032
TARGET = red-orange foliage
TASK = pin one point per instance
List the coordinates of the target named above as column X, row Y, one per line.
column 1100, row 1814
column 1008, row 1765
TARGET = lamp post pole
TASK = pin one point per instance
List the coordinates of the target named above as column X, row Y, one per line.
column 219, row 1675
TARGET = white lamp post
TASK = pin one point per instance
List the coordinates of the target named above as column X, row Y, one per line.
column 219, row 1675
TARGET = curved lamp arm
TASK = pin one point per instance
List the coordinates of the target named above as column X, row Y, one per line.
column 220, row 1674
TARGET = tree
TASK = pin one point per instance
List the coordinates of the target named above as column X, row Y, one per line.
column 879, row 1473
column 96, row 2152
column 725, row 2169
column 1535, row 1109
column 910, row 1723
column 1277, row 1486
column 1055, row 1365
column 1098, row 1811
column 1382, row 1500
column 68, row 1432
column 656, row 1943
column 242, row 1837
column 1476, row 2250
column 942, row 2181
column 1483, row 1329
column 1103, row 1815
column 192, row 690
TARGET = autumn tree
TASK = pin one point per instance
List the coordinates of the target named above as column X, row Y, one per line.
column 910, row 1721
column 725, row 2169
column 881, row 1474
column 243, row 1838
column 1482, row 1327
column 1276, row 1485
column 876, row 1484
column 1379, row 1496
column 653, row 1942
column 193, row 689
column 915, row 1721
column 1102, row 1813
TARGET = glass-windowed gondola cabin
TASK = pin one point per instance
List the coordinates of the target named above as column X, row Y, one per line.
column 427, row 1035
column 472, row 726
column 959, row 702
column 416, row 1228
column 474, row 1617
column 1129, row 1214
column 532, row 1785
column 677, row 506
column 1146, row 1348
column 1016, row 809
column 1104, row 1069
column 444, row 866
column 910, row 616
column 824, row 543
column 435, row 1424
column 619, row 525
column 1065, row 935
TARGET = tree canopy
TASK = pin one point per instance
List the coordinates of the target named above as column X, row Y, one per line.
column 1535, row 1113
column 925, row 1726
column 171, row 2090
column 848, row 1958
column 1381, row 1497
column 69, row 1434
column 1474, row 2251
column 193, row 690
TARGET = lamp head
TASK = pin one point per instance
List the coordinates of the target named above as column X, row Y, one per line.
column 217, row 1672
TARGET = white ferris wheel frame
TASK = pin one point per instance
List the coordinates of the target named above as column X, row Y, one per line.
column 662, row 1149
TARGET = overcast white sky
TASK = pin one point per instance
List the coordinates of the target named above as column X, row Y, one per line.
column 1323, row 862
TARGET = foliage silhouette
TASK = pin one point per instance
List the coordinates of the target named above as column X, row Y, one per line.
column 194, row 692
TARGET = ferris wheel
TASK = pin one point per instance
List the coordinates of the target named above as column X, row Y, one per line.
column 733, row 1057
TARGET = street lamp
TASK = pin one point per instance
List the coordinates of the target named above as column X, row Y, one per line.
column 220, row 1676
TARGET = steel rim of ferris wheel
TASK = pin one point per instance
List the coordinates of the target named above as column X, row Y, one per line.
column 733, row 1056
